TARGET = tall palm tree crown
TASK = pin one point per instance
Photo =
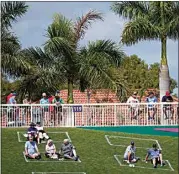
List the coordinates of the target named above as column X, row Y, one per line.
column 86, row 65
column 150, row 21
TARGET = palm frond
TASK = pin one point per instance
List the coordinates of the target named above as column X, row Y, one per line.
column 10, row 11
column 95, row 63
column 106, row 49
column 130, row 9
column 83, row 23
column 139, row 29
column 60, row 34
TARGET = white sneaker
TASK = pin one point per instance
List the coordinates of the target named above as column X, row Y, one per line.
column 61, row 159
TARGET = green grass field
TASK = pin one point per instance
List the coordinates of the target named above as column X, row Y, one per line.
column 96, row 154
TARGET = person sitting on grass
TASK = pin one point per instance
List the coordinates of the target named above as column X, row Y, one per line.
column 155, row 155
column 68, row 151
column 129, row 155
column 31, row 150
column 32, row 131
column 42, row 135
column 50, row 150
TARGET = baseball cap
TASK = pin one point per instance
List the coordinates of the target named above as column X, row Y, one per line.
column 58, row 91
column 32, row 124
column 132, row 142
column 14, row 94
column 134, row 93
column 167, row 93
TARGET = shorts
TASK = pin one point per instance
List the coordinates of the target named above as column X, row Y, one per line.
column 157, row 160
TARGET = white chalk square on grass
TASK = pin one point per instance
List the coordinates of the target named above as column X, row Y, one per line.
column 58, row 172
column 48, row 160
column 122, row 141
column 62, row 136
column 143, row 167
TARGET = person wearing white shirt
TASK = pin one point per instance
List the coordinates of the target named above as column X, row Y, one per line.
column 134, row 105
column 129, row 155
column 50, row 150
column 41, row 133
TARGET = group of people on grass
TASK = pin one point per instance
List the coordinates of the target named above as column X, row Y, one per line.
column 36, row 134
column 153, row 153
column 152, row 109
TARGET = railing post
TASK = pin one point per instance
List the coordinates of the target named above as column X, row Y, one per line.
column 31, row 113
column 115, row 115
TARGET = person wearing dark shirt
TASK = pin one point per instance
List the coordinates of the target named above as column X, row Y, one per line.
column 32, row 132
column 167, row 98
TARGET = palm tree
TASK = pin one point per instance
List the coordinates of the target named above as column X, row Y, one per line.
column 63, row 44
column 72, row 64
column 151, row 21
column 12, row 62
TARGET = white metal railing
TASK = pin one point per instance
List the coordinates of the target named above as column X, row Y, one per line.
column 98, row 114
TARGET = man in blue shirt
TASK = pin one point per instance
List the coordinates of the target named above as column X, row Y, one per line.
column 12, row 99
column 31, row 150
column 151, row 99
column 155, row 155
column 45, row 109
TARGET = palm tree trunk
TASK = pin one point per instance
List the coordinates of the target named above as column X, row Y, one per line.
column 70, row 90
column 164, row 78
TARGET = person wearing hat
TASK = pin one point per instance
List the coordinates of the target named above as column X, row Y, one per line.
column 133, row 105
column 50, row 150
column 9, row 96
column 31, row 149
column 167, row 98
column 45, row 109
column 151, row 99
column 12, row 99
column 41, row 133
column 156, row 156
column 32, row 132
column 68, row 151
column 129, row 155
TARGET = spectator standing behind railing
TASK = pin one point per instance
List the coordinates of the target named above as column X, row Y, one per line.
column 151, row 99
column 168, row 107
column 134, row 105
column 58, row 109
column 45, row 109
column 27, row 100
column 13, row 111
column 26, row 109
column 9, row 96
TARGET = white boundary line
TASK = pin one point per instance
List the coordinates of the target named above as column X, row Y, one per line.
column 20, row 141
column 19, row 138
column 117, row 159
column 170, row 165
column 108, row 136
column 58, row 172
column 68, row 136
column 39, row 161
